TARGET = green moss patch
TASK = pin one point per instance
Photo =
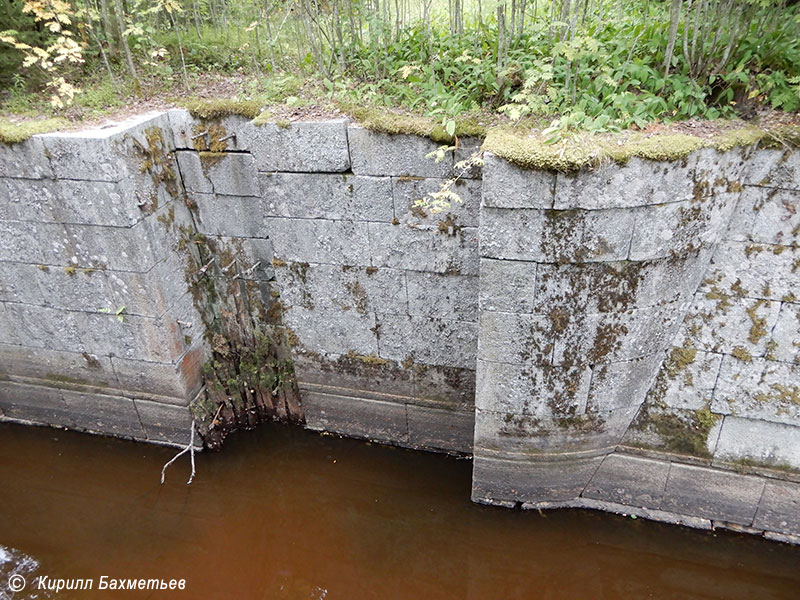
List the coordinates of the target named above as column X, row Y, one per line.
column 384, row 121
column 532, row 151
column 15, row 133
column 224, row 107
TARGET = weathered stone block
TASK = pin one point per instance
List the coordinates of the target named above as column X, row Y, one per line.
column 614, row 287
column 107, row 153
column 507, row 285
column 83, row 202
column 687, row 378
column 357, row 417
column 440, row 429
column 516, row 339
column 137, row 338
column 511, row 433
column 442, row 342
column 8, row 329
column 222, row 173
column 301, row 147
column 784, row 344
column 769, row 444
column 716, row 172
column 110, row 415
column 44, row 327
column 74, row 289
column 152, row 293
column 556, row 235
column 766, row 216
column 779, row 509
column 407, row 191
column 184, row 127
column 165, row 382
column 638, row 183
column 365, row 290
column 117, row 248
column 774, row 168
column 452, row 387
column 620, row 385
column 327, row 196
column 680, row 228
column 424, row 249
column 320, row 241
column 353, row 375
column 56, row 368
column 21, row 241
column 755, row 271
column 236, row 216
column 542, row 392
column 507, row 186
column 165, row 423
column 40, row 404
column 333, row 332
column 613, row 337
column 718, row 495
column 26, row 200
column 193, row 176
column 721, row 323
column 374, row 153
column 759, row 389
column 27, row 159
column 523, row 480
column 442, row 296
column 629, row 480
column 19, row 283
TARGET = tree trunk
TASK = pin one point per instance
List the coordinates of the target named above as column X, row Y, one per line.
column 674, row 17
column 137, row 86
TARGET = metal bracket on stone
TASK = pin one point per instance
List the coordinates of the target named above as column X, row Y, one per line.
column 202, row 134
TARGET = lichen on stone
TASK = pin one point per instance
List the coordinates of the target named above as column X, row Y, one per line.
column 758, row 328
column 742, row 353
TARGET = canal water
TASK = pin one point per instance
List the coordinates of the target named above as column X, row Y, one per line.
column 285, row 513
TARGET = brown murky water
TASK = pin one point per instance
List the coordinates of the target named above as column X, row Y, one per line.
column 283, row 513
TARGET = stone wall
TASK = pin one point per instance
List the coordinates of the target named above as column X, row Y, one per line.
column 729, row 387
column 638, row 340
column 378, row 299
column 85, row 230
column 625, row 337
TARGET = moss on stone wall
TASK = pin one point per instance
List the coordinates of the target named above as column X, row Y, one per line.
column 589, row 151
column 222, row 107
column 16, row 133
column 391, row 123
column 249, row 376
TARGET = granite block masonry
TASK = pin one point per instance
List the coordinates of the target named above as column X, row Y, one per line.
column 622, row 338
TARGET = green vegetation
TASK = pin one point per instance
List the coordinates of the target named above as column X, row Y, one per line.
column 214, row 109
column 14, row 133
column 558, row 65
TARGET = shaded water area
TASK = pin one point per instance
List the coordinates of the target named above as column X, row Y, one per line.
column 285, row 513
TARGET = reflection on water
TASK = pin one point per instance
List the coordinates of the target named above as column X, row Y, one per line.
column 283, row 513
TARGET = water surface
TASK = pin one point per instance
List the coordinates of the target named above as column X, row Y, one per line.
column 285, row 513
